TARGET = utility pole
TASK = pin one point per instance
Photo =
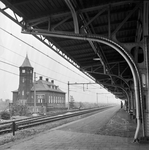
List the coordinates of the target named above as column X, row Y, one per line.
column 68, row 95
column 34, row 92
column 97, row 97
column 107, row 100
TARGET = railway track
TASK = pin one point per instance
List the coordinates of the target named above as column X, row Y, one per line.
column 34, row 121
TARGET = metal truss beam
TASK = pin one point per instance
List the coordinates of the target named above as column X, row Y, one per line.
column 113, row 66
column 60, row 23
column 87, row 30
column 113, row 75
column 92, row 19
column 127, row 17
column 119, row 87
column 100, row 53
column 139, row 30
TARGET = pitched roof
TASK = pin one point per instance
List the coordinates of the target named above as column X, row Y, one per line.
column 26, row 62
column 42, row 85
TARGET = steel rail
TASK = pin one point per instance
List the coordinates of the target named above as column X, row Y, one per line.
column 41, row 116
column 47, row 119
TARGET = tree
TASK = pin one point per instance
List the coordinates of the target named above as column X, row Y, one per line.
column 5, row 115
column 71, row 102
column 80, row 105
column 21, row 110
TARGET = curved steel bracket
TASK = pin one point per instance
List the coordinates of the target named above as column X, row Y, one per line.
column 119, row 49
column 74, row 15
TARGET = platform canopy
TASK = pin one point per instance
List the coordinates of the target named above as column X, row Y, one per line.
column 56, row 22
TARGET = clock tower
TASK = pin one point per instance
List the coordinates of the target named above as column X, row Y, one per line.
column 25, row 81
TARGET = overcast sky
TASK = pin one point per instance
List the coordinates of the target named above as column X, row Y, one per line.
column 13, row 52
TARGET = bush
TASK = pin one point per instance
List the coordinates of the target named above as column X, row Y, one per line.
column 21, row 110
column 5, row 115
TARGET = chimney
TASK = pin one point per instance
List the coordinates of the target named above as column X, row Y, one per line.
column 52, row 81
column 47, row 79
column 40, row 77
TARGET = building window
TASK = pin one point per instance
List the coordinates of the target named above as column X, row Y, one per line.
column 50, row 99
column 40, row 98
column 23, row 93
column 23, row 71
column 31, row 71
column 23, row 80
column 55, row 99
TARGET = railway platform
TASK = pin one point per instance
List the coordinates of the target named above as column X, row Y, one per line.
column 112, row 129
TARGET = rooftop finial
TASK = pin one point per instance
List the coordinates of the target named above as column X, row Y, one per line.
column 26, row 62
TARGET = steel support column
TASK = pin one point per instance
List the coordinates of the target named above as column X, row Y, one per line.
column 146, row 49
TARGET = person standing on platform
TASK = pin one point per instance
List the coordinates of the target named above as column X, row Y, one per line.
column 121, row 104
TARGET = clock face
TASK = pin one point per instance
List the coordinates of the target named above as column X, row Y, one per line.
column 23, row 71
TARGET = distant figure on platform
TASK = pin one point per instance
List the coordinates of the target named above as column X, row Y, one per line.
column 121, row 104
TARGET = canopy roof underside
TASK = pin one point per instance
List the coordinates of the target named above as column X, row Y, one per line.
column 105, row 18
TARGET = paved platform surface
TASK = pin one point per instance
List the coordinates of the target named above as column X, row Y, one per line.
column 83, row 134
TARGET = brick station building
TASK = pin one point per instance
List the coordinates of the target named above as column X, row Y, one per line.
column 48, row 95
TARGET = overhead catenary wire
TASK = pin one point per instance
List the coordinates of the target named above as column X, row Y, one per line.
column 61, row 87
column 36, row 72
column 35, row 62
column 42, row 75
column 8, row 63
column 9, row 72
column 42, row 52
